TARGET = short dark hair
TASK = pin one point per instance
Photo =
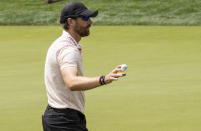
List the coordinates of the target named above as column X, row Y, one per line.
column 65, row 25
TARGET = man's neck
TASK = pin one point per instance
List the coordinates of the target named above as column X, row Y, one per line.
column 74, row 35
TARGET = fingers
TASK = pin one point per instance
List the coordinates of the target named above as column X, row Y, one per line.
column 113, row 77
column 118, row 75
column 109, row 79
column 115, row 74
column 117, row 69
column 123, row 74
column 119, row 66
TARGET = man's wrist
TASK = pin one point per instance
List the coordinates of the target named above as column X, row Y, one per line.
column 102, row 80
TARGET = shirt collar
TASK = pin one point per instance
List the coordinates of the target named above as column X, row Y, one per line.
column 67, row 35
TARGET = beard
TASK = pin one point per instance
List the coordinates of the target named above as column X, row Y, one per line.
column 82, row 31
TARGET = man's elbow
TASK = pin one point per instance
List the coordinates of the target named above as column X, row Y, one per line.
column 72, row 87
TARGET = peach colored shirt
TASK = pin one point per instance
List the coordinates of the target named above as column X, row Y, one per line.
column 63, row 53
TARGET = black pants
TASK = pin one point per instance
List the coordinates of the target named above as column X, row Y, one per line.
column 63, row 120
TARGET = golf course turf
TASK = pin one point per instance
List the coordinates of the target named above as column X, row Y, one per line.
column 161, row 92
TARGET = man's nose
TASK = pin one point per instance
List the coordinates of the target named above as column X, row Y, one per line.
column 90, row 22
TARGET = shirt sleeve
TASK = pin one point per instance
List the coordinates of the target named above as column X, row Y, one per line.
column 68, row 57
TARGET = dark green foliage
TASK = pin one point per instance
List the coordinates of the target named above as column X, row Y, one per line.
column 111, row 12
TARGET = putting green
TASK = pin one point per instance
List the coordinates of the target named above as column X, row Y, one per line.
column 161, row 92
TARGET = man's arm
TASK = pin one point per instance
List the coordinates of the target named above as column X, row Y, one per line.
column 81, row 83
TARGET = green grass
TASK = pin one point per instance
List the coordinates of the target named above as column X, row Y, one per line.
column 111, row 12
column 161, row 92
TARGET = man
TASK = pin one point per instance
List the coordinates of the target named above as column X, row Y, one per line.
column 65, row 83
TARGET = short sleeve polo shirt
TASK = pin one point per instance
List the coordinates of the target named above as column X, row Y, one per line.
column 63, row 53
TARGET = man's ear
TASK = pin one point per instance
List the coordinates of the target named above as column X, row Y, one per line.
column 70, row 21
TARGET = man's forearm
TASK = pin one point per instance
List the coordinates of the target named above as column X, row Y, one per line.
column 81, row 83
